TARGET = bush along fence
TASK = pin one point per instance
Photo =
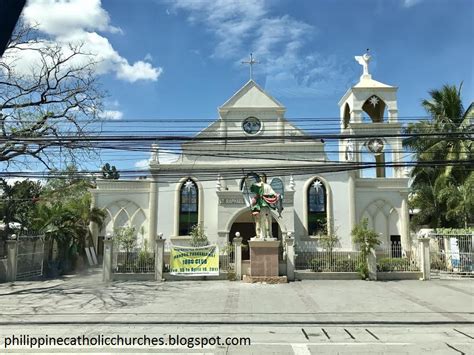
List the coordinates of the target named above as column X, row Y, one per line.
column 144, row 264
column 390, row 263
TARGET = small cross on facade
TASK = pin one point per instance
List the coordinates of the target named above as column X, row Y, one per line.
column 251, row 62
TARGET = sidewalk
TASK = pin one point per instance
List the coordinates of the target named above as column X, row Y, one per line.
column 86, row 300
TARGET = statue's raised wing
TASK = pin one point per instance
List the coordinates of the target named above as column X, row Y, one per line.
column 249, row 179
column 360, row 60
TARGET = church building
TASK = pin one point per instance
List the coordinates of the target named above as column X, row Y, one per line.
column 251, row 134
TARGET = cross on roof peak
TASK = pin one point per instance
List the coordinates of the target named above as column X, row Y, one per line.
column 251, row 62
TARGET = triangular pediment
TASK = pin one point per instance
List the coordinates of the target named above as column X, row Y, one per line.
column 251, row 95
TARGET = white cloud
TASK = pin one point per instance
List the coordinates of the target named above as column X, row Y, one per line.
column 111, row 115
column 278, row 42
column 57, row 17
column 138, row 71
column 77, row 21
column 142, row 164
column 410, row 3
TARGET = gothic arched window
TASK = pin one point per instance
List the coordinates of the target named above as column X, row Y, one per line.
column 317, row 208
column 188, row 206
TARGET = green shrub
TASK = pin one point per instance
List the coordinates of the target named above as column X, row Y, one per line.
column 393, row 264
column 319, row 265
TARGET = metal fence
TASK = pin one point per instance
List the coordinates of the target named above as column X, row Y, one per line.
column 226, row 257
column 325, row 261
column 309, row 258
column 30, row 257
column 394, row 258
column 140, row 262
column 452, row 254
column 226, row 262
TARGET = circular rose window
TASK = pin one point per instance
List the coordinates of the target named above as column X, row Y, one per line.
column 251, row 125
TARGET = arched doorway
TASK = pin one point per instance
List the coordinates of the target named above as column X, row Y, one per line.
column 244, row 224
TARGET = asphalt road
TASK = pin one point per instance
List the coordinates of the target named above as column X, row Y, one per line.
column 310, row 317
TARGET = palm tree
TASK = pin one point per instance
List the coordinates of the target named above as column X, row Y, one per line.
column 453, row 151
column 66, row 223
column 459, row 199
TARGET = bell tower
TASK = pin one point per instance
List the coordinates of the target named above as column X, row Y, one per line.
column 369, row 112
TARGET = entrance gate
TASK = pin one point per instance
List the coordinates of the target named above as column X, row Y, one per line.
column 452, row 255
column 30, row 257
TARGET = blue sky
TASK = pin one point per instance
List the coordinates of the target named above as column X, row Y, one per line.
column 181, row 59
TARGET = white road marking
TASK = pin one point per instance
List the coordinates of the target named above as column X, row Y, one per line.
column 300, row 349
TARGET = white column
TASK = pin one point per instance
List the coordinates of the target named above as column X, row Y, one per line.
column 93, row 227
column 237, row 241
column 405, row 232
column 352, row 205
column 152, row 211
column 425, row 262
column 290, row 259
column 159, row 257
column 12, row 255
column 330, row 211
column 396, row 157
column 107, row 274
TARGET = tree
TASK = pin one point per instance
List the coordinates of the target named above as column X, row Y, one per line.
column 429, row 180
column 17, row 204
column 459, row 198
column 366, row 239
column 64, row 213
column 126, row 238
column 198, row 236
column 58, row 97
column 110, row 172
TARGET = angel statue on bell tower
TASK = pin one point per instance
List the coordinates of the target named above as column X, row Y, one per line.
column 364, row 61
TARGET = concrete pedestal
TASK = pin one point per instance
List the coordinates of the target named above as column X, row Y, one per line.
column 264, row 262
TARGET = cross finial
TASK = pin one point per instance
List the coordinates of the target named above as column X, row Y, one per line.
column 251, row 62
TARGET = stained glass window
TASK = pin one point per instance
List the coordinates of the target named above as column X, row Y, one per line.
column 188, row 207
column 317, row 216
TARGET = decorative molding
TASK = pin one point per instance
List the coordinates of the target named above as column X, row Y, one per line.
column 236, row 198
column 395, row 184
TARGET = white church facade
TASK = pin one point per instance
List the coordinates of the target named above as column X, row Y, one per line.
column 251, row 134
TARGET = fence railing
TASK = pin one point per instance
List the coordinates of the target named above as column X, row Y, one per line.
column 394, row 258
column 452, row 262
column 325, row 261
column 226, row 262
column 452, row 254
column 391, row 258
column 133, row 262
column 30, row 257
